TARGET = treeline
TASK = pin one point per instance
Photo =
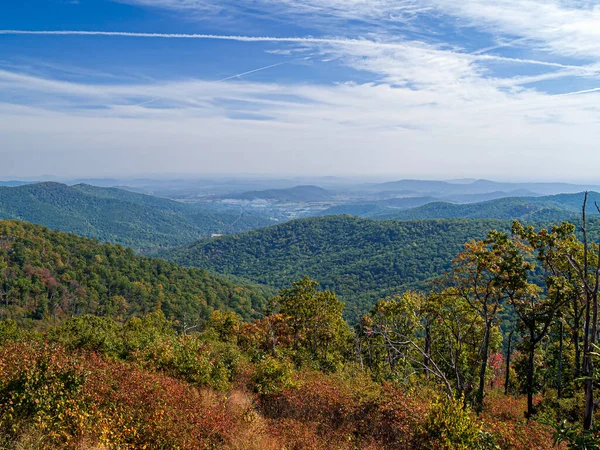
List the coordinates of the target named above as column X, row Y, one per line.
column 47, row 276
column 536, row 290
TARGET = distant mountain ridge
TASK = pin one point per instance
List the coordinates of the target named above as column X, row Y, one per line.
column 294, row 194
column 530, row 209
column 140, row 221
column 13, row 183
column 525, row 208
column 481, row 187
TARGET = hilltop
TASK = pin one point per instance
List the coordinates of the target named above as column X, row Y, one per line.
column 360, row 259
column 140, row 221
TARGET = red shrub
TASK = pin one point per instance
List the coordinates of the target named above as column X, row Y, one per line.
column 87, row 397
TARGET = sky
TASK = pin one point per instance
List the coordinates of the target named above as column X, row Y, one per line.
column 502, row 89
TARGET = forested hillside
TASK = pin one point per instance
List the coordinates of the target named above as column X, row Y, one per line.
column 50, row 275
column 362, row 260
column 100, row 348
column 553, row 208
column 142, row 222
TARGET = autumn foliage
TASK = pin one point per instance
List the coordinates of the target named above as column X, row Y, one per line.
column 54, row 398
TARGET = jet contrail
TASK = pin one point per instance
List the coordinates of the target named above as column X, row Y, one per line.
column 497, row 46
column 297, row 40
column 183, row 36
column 586, row 91
column 251, row 71
column 219, row 81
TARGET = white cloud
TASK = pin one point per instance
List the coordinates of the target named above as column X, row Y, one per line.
column 563, row 27
column 431, row 108
column 463, row 125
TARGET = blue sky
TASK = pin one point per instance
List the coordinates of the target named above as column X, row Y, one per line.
column 507, row 89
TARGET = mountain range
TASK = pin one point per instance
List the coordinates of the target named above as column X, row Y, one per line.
column 529, row 209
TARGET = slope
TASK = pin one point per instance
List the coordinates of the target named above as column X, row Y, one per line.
column 538, row 209
column 49, row 275
column 361, row 259
column 142, row 222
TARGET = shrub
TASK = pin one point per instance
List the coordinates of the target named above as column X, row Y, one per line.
column 449, row 426
column 84, row 400
column 226, row 324
column 10, row 331
column 271, row 376
column 92, row 333
column 40, row 385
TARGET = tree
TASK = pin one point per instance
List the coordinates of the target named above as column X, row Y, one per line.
column 226, row 324
column 398, row 321
column 315, row 318
column 536, row 309
column 584, row 259
column 475, row 278
column 438, row 336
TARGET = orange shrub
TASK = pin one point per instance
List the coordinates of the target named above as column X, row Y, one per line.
column 504, row 417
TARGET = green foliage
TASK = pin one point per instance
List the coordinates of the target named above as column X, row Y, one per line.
column 361, row 260
column 449, row 426
column 226, row 324
column 152, row 342
column 93, row 333
column 575, row 438
column 142, row 222
column 316, row 323
column 271, row 376
column 41, row 387
column 49, row 275
column 10, row 331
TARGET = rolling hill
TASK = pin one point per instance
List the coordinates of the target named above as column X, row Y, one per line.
column 143, row 222
column 362, row 260
column 529, row 209
column 50, row 275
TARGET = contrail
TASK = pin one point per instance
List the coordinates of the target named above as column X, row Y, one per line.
column 251, row 71
column 223, row 79
column 497, row 46
column 182, row 36
column 586, row 91
column 297, row 40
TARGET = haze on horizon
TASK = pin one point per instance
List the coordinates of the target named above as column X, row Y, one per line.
column 430, row 89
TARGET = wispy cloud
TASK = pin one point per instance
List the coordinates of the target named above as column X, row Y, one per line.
column 563, row 27
column 427, row 99
column 320, row 128
column 342, row 42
